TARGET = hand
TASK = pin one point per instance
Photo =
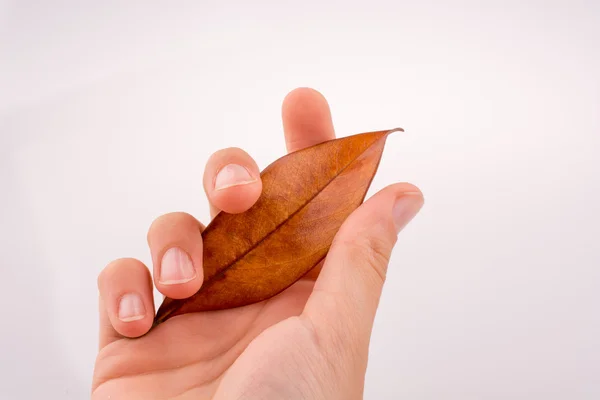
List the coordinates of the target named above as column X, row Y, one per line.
column 309, row 342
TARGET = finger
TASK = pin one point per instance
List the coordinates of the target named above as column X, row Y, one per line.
column 175, row 243
column 126, row 302
column 342, row 307
column 306, row 119
column 306, row 122
column 231, row 181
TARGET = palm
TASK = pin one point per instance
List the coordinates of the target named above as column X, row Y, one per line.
column 188, row 356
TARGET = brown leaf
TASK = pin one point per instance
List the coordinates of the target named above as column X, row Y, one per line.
column 307, row 195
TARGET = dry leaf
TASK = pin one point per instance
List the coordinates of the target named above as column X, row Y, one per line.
column 307, row 195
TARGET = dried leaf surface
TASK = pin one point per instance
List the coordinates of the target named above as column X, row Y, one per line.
column 307, row 195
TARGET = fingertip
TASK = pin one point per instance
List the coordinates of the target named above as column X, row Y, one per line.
column 175, row 242
column 134, row 319
column 125, row 289
column 407, row 203
column 303, row 95
column 179, row 275
column 404, row 187
column 306, row 117
column 237, row 198
column 232, row 181
column 388, row 211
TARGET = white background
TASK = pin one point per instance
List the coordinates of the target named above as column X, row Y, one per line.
column 109, row 111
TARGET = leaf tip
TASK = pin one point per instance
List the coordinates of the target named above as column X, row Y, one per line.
column 395, row 130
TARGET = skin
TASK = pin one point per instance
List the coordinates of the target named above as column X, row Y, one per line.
column 309, row 342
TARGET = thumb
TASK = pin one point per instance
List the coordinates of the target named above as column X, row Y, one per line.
column 344, row 301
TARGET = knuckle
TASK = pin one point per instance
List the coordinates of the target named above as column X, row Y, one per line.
column 117, row 267
column 370, row 251
column 168, row 224
column 333, row 344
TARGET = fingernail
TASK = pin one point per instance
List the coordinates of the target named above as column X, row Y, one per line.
column 131, row 308
column 405, row 209
column 176, row 267
column 232, row 175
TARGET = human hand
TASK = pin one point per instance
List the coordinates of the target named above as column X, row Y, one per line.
column 309, row 342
